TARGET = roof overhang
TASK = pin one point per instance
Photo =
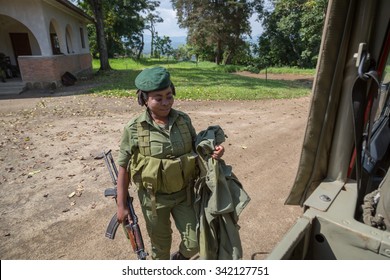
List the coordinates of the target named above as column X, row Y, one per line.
column 73, row 8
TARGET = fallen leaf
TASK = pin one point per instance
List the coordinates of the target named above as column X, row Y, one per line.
column 30, row 174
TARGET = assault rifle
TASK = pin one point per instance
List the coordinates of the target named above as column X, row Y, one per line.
column 131, row 223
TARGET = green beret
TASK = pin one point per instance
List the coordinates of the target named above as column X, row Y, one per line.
column 151, row 79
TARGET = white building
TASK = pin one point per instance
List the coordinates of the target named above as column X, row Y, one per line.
column 43, row 39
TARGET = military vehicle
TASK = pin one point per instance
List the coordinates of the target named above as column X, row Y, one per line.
column 345, row 152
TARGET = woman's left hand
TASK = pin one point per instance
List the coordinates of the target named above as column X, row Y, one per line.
column 218, row 152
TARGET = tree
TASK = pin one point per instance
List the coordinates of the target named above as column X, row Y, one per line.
column 163, row 46
column 120, row 24
column 128, row 21
column 183, row 52
column 216, row 26
column 292, row 33
column 314, row 12
column 151, row 19
column 97, row 9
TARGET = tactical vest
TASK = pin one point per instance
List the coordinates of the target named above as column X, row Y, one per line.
column 164, row 175
column 185, row 143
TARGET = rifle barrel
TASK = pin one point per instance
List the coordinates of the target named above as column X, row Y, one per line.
column 111, row 166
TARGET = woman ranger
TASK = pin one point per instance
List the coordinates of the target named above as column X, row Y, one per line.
column 157, row 154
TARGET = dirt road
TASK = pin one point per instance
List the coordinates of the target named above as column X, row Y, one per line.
column 51, row 187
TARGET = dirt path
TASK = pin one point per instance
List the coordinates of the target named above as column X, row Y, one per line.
column 51, row 187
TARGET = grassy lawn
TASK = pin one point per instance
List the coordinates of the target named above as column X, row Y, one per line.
column 202, row 81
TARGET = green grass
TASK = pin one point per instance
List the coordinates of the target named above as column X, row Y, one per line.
column 289, row 70
column 202, row 81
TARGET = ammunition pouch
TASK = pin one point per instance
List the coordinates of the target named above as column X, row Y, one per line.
column 163, row 175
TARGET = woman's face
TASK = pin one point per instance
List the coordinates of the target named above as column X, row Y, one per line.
column 160, row 102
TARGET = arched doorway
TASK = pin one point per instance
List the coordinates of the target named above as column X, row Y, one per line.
column 16, row 39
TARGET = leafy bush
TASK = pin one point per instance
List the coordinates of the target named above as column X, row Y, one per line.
column 252, row 69
column 227, row 68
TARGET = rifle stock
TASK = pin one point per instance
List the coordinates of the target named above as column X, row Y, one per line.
column 133, row 231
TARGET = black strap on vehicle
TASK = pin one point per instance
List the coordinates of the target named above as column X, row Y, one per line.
column 365, row 99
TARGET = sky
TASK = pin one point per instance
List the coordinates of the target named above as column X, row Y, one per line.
column 171, row 29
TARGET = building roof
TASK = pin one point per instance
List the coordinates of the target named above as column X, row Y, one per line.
column 74, row 8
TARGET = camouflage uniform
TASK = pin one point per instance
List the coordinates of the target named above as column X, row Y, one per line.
column 161, row 164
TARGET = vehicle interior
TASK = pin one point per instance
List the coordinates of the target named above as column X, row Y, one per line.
column 345, row 155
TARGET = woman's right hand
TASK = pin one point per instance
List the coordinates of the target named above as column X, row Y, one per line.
column 122, row 213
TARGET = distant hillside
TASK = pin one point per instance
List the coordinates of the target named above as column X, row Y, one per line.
column 176, row 42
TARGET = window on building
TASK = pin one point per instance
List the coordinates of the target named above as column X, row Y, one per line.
column 82, row 38
column 55, row 43
column 69, row 42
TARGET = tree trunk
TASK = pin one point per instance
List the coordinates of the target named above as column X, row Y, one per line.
column 227, row 58
column 101, row 39
column 152, row 44
column 218, row 54
column 141, row 48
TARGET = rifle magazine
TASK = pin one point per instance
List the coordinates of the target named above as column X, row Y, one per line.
column 112, row 227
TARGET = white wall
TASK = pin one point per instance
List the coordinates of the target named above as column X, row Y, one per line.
column 35, row 17
column 64, row 19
